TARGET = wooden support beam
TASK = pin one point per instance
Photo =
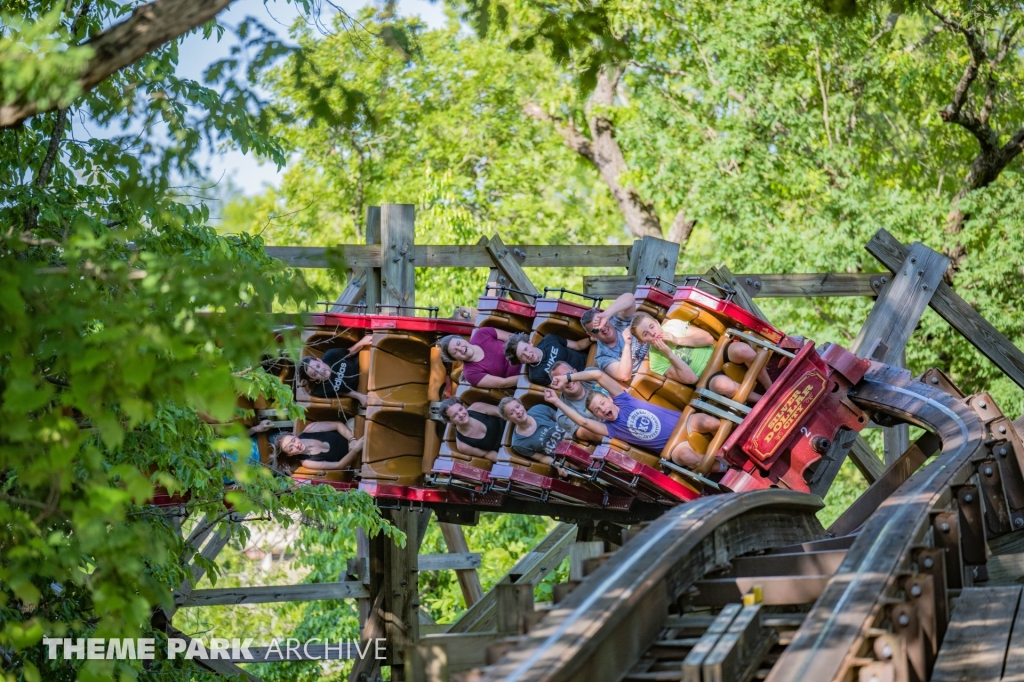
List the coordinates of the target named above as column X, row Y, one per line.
column 790, row 285
column 348, row 589
column 450, row 561
column 777, row 590
column 514, row 603
column 653, row 257
column 579, row 552
column 957, row 312
column 455, row 539
column 976, row 640
column 900, row 305
column 394, row 571
column 721, row 275
column 460, row 255
column 366, row 668
column 437, row 657
column 504, row 259
column 398, row 256
column 531, row 568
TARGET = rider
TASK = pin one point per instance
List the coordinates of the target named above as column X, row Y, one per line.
column 541, row 359
column 617, row 353
column 637, row 422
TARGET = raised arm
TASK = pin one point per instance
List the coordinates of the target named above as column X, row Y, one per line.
column 360, row 344
column 590, row 424
column 501, row 334
column 624, row 306
column 603, row 380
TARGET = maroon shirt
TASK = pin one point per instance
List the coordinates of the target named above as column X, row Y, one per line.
column 494, row 362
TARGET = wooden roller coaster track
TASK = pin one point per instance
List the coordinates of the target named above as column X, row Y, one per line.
column 918, row 580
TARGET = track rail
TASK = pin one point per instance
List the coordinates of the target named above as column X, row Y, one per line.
column 597, row 634
column 836, row 631
column 877, row 597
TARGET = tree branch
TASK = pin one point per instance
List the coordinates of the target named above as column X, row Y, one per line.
column 574, row 139
column 681, row 229
column 149, row 27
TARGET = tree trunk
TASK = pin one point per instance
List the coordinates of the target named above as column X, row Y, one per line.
column 148, row 28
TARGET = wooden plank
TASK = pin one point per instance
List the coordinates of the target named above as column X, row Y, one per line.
column 401, row 600
column 579, row 552
column 514, row 601
column 694, row 661
column 1018, row 424
column 469, row 580
column 531, row 568
column 372, row 271
column 900, row 305
column 398, row 256
column 436, row 657
column 895, row 439
column 788, row 285
column 866, row 460
column 741, row 647
column 721, row 276
column 1014, row 671
column 653, row 257
column 957, row 312
column 778, row 590
column 887, row 483
column 979, row 630
column 797, row 563
column 353, row 293
column 1005, row 569
column 365, row 668
column 460, row 255
column 505, row 261
column 450, row 561
column 348, row 589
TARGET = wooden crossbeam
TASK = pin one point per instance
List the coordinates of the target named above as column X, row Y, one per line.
column 957, row 312
column 791, row 285
column 349, row 589
column 450, row 561
column 469, row 580
column 214, row 665
column 461, row 256
column 532, row 567
column 504, row 259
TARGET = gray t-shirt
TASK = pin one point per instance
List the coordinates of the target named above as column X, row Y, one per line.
column 606, row 355
column 546, row 436
column 579, row 405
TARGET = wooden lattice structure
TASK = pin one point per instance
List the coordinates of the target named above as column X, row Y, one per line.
column 383, row 577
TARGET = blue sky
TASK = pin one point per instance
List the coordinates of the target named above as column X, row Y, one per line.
column 243, row 172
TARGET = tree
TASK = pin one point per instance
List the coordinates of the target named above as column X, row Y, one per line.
column 129, row 328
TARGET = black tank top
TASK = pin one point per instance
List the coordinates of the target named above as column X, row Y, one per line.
column 337, row 443
column 492, row 439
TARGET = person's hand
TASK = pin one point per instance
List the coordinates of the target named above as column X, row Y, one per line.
column 660, row 344
column 362, row 399
column 559, row 382
column 550, row 396
column 264, row 425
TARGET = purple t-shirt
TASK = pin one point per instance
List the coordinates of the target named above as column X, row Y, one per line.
column 494, row 362
column 642, row 424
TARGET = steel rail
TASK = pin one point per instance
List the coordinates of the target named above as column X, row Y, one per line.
column 603, row 626
column 835, row 630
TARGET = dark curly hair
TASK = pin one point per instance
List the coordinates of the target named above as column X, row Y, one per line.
column 511, row 343
column 447, row 403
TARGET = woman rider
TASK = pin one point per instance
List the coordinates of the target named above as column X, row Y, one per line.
column 324, row 446
column 478, row 428
column 336, row 375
